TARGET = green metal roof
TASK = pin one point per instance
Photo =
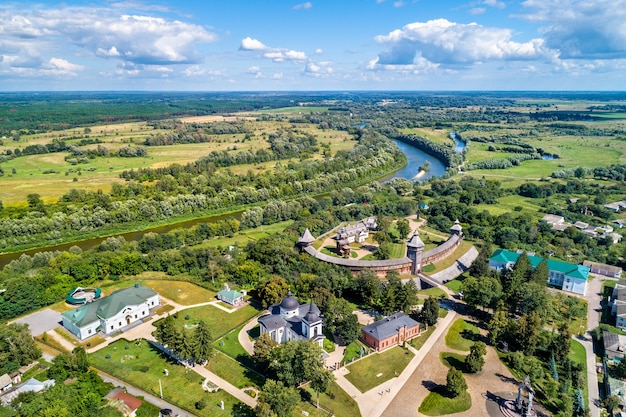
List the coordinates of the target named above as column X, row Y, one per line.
column 108, row 307
column 230, row 294
column 568, row 269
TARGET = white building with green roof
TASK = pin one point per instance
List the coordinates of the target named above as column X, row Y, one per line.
column 567, row 276
column 110, row 314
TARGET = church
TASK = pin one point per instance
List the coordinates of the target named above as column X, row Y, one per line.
column 291, row 320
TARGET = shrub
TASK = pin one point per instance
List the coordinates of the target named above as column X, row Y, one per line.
column 201, row 404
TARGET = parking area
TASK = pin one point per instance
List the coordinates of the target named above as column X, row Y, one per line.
column 41, row 321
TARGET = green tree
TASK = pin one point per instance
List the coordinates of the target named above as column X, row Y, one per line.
column 263, row 347
column 349, row 329
column 403, row 228
column 579, row 404
column 475, row 361
column 455, row 382
column 430, row 311
column 482, row 292
column 320, row 380
column 540, row 274
column 611, row 403
column 296, row 362
column 498, row 324
column 166, row 331
column 276, row 400
column 480, row 266
column 202, row 347
column 528, row 332
column 562, row 343
column 273, row 290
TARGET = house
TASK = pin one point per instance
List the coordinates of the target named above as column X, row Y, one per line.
column 32, row 385
column 581, row 225
column 5, row 383
column 390, row 331
column 553, row 219
column 111, row 314
column 567, row 276
column 614, row 345
column 617, row 387
column 291, row 320
column 604, row 269
column 357, row 232
column 124, row 402
column 232, row 297
column 617, row 206
column 619, row 223
column 618, row 304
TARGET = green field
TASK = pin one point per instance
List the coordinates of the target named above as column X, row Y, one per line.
column 378, row 368
column 461, row 335
column 142, row 366
column 438, row 403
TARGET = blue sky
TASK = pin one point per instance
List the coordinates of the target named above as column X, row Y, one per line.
column 244, row 45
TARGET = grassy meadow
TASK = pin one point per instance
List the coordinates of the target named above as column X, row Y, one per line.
column 50, row 176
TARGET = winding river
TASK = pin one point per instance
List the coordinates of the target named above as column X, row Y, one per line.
column 416, row 158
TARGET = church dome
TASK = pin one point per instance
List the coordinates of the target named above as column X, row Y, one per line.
column 289, row 303
column 311, row 317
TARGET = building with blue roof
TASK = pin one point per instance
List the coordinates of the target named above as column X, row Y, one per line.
column 564, row 275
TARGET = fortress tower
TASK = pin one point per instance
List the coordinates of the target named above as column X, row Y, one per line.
column 414, row 251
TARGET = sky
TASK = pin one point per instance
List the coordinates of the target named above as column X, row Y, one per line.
column 316, row 45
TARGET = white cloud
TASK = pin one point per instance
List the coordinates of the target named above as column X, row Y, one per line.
column 581, row 29
column 63, row 65
column 277, row 75
column 494, row 3
column 275, row 54
column 249, row 44
column 319, row 69
column 103, row 32
column 319, row 51
column 443, row 42
column 477, row 10
column 303, row 6
column 256, row 71
column 398, row 4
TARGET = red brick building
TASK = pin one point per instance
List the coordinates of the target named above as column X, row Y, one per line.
column 390, row 331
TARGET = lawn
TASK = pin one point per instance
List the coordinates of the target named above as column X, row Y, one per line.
column 453, row 360
column 234, row 372
column 378, row 368
column 335, row 399
column 353, row 351
column 437, row 403
column 462, row 335
column 181, row 292
column 432, row 292
column 219, row 321
column 451, row 258
column 143, row 366
column 419, row 341
column 456, row 284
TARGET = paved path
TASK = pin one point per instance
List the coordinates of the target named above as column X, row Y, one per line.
column 225, row 385
column 147, row 396
column 374, row 402
column 244, row 339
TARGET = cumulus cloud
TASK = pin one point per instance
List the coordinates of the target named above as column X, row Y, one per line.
column 447, row 43
column 103, row 32
column 581, row 29
column 303, row 6
column 319, row 51
column 318, row 69
column 275, row 54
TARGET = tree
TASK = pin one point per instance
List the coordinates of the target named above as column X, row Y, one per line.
column 430, row 311
column 273, row 290
column 34, row 202
column 320, row 380
column 498, row 324
column 202, row 347
column 166, row 331
column 296, row 362
column 475, row 361
column 403, row 228
column 579, row 404
column 276, row 400
column 482, row 292
column 528, row 332
column 562, row 343
column 611, row 403
column 480, row 266
column 455, row 382
column 263, row 347
column 349, row 329
column 540, row 274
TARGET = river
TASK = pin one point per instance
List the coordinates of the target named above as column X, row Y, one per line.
column 416, row 158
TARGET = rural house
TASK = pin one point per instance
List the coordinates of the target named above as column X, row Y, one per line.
column 390, row 331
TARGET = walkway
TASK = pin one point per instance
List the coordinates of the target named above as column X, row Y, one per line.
column 225, row 385
column 244, row 338
column 374, row 402
column 461, row 265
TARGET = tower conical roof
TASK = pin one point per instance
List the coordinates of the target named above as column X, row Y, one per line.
column 306, row 237
column 415, row 241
